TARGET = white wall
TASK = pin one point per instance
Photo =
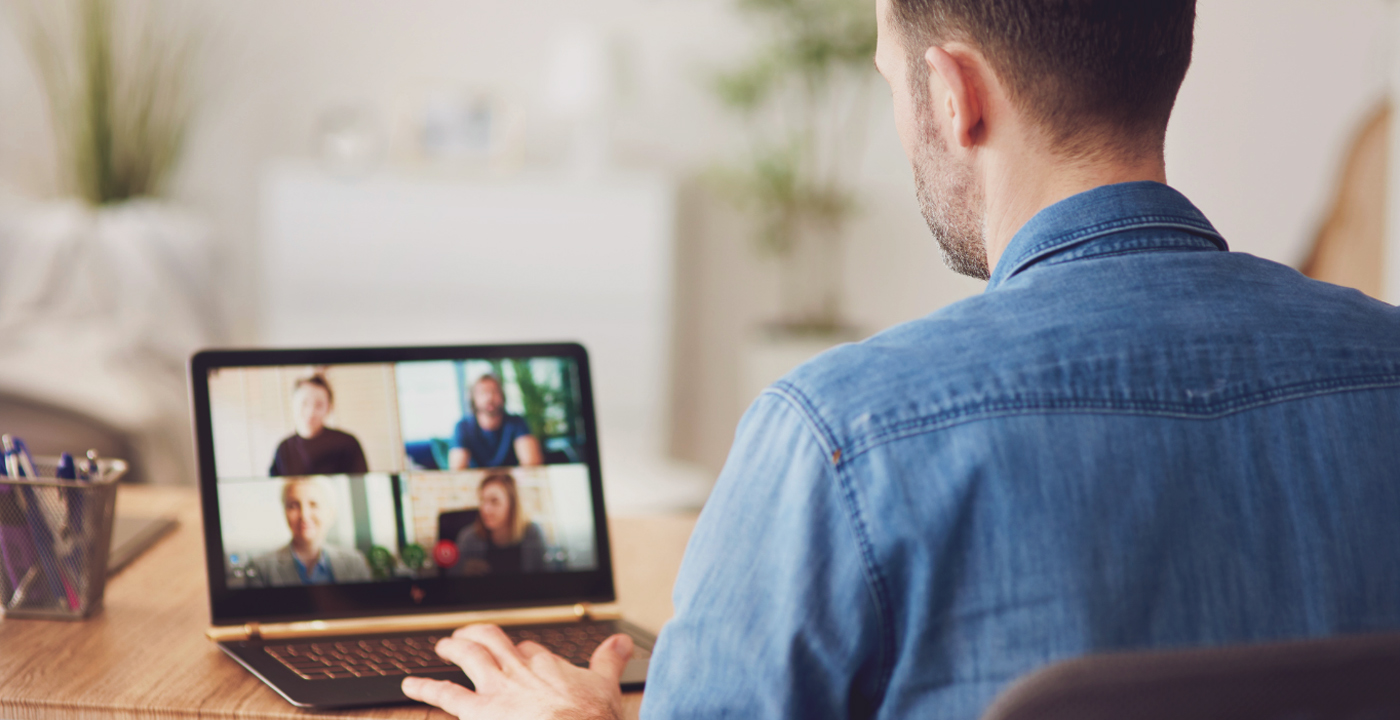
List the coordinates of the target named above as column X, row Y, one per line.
column 1275, row 90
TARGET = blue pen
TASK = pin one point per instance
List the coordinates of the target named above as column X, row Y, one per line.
column 68, row 470
column 14, row 546
column 19, row 550
column 44, row 544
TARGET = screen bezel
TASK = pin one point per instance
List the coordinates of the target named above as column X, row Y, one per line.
column 391, row 597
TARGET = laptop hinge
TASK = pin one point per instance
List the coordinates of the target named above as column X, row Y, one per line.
column 410, row 623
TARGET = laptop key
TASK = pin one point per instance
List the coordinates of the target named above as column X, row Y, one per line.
column 434, row 669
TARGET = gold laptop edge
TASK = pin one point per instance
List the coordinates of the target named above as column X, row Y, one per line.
column 411, row 623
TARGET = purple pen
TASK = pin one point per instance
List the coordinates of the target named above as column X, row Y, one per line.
column 41, row 535
column 13, row 543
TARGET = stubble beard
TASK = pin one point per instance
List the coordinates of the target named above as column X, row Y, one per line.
column 950, row 201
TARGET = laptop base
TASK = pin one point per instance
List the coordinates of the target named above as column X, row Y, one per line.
column 265, row 659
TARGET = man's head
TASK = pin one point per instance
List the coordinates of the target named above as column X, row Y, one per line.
column 310, row 511
column 312, row 401
column 1077, row 81
column 488, row 398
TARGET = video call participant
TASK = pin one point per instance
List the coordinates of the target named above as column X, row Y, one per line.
column 502, row 540
column 307, row 560
column 316, row 449
column 490, row 437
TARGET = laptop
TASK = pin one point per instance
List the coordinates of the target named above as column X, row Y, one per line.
column 359, row 504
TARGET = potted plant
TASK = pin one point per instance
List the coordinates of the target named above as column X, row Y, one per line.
column 111, row 281
column 803, row 96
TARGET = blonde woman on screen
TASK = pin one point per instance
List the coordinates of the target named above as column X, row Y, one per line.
column 309, row 509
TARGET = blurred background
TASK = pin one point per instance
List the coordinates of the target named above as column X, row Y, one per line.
column 704, row 192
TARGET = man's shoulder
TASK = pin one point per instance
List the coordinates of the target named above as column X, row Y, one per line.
column 918, row 367
column 1084, row 337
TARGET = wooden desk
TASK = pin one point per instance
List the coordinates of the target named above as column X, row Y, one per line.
column 145, row 654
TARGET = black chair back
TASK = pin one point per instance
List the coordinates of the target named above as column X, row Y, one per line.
column 1343, row 678
column 451, row 523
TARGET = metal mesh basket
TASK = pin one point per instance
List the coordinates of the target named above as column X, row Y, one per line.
column 54, row 539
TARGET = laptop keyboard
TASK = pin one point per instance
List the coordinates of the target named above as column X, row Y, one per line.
column 414, row 654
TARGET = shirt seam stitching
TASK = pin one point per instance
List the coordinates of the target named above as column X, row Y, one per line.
column 1111, row 227
column 1047, row 262
column 875, row 579
column 983, row 411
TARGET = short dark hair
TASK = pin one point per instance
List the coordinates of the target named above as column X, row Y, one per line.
column 317, row 380
column 1097, row 74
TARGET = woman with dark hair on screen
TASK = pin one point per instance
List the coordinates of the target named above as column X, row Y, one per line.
column 502, row 540
column 315, row 449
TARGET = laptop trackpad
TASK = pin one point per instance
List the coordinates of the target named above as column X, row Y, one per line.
column 635, row 674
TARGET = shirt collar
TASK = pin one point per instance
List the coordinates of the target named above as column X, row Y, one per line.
column 1082, row 221
column 321, row 568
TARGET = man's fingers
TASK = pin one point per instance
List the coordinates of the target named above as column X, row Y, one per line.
column 494, row 639
column 474, row 659
column 529, row 649
column 440, row 693
column 611, row 657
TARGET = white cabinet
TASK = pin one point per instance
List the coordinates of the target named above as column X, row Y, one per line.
column 399, row 258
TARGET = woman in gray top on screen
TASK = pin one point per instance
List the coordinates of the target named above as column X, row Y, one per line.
column 502, row 540
column 309, row 508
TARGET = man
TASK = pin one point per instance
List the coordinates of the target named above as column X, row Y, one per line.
column 315, row 449
column 490, row 437
column 1132, row 439
column 307, row 560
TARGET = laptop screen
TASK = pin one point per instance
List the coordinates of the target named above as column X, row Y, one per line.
column 353, row 482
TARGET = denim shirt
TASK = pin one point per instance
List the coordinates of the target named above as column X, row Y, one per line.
column 1134, row 438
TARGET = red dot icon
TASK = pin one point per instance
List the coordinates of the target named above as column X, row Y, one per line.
column 445, row 553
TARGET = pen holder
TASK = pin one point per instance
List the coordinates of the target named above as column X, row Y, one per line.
column 54, row 539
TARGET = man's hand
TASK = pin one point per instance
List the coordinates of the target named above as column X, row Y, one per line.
column 525, row 681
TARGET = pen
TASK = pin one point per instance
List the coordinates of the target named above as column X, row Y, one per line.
column 21, row 591
column 19, row 550
column 68, row 470
column 14, row 545
column 43, row 539
column 93, row 469
column 11, row 457
column 26, row 461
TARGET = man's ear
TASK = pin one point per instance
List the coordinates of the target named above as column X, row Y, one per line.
column 960, row 102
